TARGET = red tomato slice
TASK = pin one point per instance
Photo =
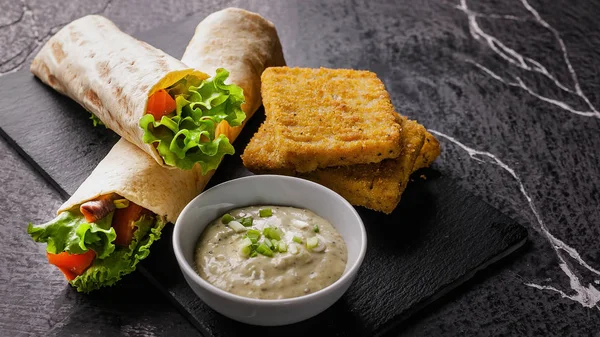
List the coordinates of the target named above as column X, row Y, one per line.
column 70, row 276
column 123, row 221
column 160, row 104
column 72, row 264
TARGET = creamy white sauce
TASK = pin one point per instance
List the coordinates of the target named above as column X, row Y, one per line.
column 285, row 275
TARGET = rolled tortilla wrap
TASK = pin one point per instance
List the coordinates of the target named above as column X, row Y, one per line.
column 214, row 45
column 129, row 172
column 113, row 76
column 242, row 42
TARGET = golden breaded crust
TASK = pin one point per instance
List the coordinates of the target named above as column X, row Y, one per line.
column 330, row 117
column 429, row 152
column 261, row 155
column 376, row 186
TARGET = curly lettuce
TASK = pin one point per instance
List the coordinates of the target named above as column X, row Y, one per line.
column 97, row 121
column 70, row 232
column 123, row 260
column 187, row 136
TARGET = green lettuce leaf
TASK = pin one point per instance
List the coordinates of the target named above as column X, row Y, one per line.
column 97, row 120
column 123, row 260
column 188, row 135
column 69, row 232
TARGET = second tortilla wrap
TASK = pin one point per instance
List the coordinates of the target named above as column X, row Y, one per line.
column 242, row 42
column 129, row 172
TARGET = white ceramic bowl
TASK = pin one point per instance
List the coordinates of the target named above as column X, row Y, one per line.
column 268, row 190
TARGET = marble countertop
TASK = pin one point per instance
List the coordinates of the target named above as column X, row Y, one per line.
column 511, row 90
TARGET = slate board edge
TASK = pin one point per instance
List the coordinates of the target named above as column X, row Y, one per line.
column 399, row 320
column 13, row 143
column 182, row 310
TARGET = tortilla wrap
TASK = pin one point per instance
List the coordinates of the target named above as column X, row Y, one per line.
column 131, row 173
column 242, row 42
column 109, row 73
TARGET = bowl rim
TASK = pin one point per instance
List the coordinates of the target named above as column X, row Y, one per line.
column 189, row 271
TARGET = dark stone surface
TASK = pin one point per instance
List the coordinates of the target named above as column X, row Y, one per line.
column 420, row 49
column 438, row 237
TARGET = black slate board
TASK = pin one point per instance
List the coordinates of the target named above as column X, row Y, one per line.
column 437, row 238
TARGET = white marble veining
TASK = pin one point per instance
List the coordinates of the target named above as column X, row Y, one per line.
column 526, row 63
column 586, row 295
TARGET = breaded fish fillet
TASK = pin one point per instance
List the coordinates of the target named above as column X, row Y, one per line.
column 429, row 152
column 329, row 117
column 262, row 154
column 376, row 186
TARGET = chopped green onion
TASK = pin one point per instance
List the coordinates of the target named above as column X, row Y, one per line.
column 246, row 242
column 265, row 212
column 245, row 247
column 121, row 203
column 282, row 247
column 246, row 222
column 316, row 228
column 253, row 235
column 273, row 233
column 297, row 239
column 312, row 242
column 320, row 246
column 275, row 245
column 264, row 250
column 268, row 243
column 236, row 226
column 227, row 218
column 293, row 249
column 245, row 251
column 253, row 254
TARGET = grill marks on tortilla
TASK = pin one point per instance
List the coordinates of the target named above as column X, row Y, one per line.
column 76, row 36
column 93, row 98
column 131, row 67
column 118, row 123
column 52, row 81
column 146, row 46
column 163, row 65
column 103, row 69
column 70, row 71
column 118, row 91
column 58, row 52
